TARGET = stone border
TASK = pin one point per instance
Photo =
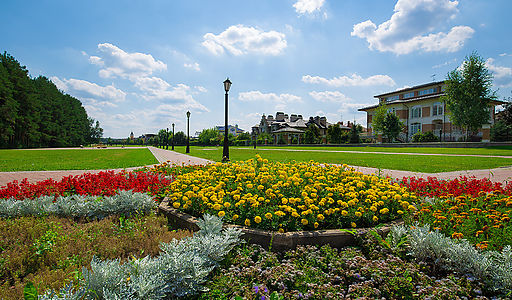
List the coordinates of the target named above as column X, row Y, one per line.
column 275, row 240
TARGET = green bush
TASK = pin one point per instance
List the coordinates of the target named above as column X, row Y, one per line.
column 424, row 137
column 501, row 132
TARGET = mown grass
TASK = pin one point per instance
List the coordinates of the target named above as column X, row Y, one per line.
column 73, row 159
column 492, row 151
column 416, row 163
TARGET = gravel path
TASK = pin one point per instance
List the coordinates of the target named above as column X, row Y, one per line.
column 503, row 175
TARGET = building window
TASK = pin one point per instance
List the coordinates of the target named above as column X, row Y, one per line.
column 392, row 98
column 427, row 91
column 416, row 112
column 415, row 127
column 437, row 109
column 408, row 95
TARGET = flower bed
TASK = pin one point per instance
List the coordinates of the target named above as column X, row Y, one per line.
column 289, row 197
column 433, row 187
column 483, row 220
column 105, row 183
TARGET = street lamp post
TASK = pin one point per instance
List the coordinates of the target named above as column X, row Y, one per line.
column 172, row 136
column 188, row 132
column 225, row 152
column 167, row 139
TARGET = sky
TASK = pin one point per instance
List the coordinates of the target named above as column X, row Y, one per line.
column 139, row 66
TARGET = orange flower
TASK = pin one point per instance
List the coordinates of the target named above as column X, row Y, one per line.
column 457, row 235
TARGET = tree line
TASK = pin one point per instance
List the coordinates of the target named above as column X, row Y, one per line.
column 34, row 113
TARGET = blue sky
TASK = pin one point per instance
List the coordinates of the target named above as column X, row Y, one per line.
column 140, row 65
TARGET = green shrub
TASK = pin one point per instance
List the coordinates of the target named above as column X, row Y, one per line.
column 424, row 137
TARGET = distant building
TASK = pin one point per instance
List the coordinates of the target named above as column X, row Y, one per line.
column 131, row 135
column 421, row 109
column 289, row 127
column 234, row 130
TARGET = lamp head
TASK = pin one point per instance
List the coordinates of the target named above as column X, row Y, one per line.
column 188, row 114
column 227, row 85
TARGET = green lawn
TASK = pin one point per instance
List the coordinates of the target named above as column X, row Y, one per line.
column 73, row 159
column 493, row 150
column 417, row 163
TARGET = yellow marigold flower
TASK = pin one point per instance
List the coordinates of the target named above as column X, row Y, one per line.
column 358, row 214
column 384, row 211
column 354, row 225
column 344, row 213
column 217, row 206
column 375, row 219
column 221, row 213
column 400, row 212
column 411, row 207
column 320, row 217
column 235, row 217
column 373, row 208
column 315, row 225
column 284, row 201
column 295, row 214
column 257, row 219
column 227, row 204
column 176, row 204
column 281, row 230
column 249, row 186
column 304, row 222
column 185, row 198
column 398, row 197
column 351, row 203
column 304, row 194
column 268, row 216
column 247, row 222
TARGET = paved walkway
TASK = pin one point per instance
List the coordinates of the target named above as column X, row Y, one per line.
column 503, row 175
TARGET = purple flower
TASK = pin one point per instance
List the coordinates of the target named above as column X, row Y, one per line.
column 263, row 297
column 266, row 291
column 256, row 289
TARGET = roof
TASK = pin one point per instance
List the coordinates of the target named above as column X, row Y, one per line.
column 410, row 88
column 401, row 101
column 288, row 130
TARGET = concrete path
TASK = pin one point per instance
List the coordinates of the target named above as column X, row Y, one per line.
column 503, row 174
column 160, row 154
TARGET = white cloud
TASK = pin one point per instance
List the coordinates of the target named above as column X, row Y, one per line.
column 115, row 62
column 445, row 64
column 268, row 97
column 193, row 66
column 410, row 28
column 353, row 80
column 83, row 88
column 240, row 40
column 502, row 75
column 329, row 96
column 308, row 6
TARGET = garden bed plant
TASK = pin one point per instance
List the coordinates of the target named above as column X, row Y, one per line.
column 289, row 196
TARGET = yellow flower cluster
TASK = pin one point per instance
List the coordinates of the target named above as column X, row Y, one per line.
column 289, row 196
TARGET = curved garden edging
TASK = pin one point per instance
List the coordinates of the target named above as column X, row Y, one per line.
column 275, row 240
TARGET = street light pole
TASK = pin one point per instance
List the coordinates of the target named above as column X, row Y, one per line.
column 225, row 152
column 172, row 136
column 188, row 132
column 167, row 139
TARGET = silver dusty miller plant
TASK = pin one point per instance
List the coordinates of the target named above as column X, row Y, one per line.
column 492, row 267
column 124, row 202
column 180, row 269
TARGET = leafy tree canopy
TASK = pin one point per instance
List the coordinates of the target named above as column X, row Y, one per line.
column 468, row 94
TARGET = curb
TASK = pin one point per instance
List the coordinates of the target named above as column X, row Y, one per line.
column 275, row 240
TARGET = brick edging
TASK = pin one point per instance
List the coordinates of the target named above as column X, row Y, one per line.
column 275, row 240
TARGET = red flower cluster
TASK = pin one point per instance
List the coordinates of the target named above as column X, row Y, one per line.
column 105, row 183
column 433, row 187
